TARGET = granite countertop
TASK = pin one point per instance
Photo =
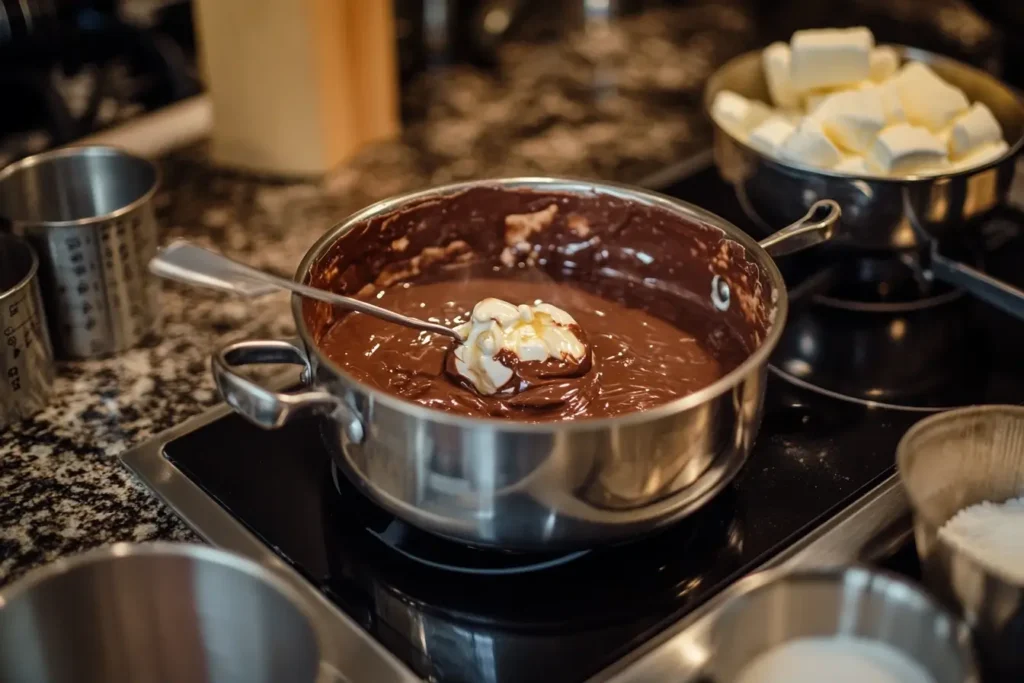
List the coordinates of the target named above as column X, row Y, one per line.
column 618, row 103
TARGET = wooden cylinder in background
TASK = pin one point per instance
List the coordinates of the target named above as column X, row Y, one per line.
column 374, row 61
column 297, row 86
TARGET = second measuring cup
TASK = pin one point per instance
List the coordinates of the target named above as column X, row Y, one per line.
column 26, row 360
column 88, row 211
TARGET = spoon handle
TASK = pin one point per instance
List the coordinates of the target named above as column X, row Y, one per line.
column 185, row 262
column 194, row 265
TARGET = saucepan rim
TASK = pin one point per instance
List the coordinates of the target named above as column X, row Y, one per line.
column 756, row 360
column 905, row 52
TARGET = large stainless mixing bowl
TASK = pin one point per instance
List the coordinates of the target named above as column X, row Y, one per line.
column 157, row 613
column 949, row 462
column 553, row 485
column 776, row 607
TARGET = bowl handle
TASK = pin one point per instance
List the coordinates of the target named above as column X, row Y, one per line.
column 272, row 409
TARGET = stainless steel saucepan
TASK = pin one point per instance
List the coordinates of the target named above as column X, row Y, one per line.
column 911, row 214
column 516, row 485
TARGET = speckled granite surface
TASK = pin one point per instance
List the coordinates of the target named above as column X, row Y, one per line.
column 617, row 103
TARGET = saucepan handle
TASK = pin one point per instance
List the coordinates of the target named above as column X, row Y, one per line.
column 1003, row 296
column 817, row 226
column 272, row 409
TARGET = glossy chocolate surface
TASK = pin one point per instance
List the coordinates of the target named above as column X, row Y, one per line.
column 636, row 278
column 637, row 361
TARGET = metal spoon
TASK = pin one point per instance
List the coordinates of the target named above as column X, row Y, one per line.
column 194, row 265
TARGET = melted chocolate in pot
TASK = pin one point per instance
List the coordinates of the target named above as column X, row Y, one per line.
column 637, row 278
column 638, row 361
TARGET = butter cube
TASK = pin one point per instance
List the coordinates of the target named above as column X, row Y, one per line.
column 892, row 103
column 884, row 63
column 852, row 118
column 775, row 60
column 853, row 165
column 809, row 145
column 770, row 135
column 794, row 116
column 981, row 155
column 826, row 58
column 977, row 128
column 737, row 114
column 813, row 99
column 927, row 99
column 904, row 149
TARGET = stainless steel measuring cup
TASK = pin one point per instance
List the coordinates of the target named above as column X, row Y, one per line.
column 26, row 358
column 158, row 613
column 88, row 212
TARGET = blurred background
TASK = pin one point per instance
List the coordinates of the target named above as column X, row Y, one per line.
column 603, row 88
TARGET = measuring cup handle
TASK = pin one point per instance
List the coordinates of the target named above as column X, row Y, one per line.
column 272, row 409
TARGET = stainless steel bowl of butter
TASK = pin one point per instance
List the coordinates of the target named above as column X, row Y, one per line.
column 900, row 211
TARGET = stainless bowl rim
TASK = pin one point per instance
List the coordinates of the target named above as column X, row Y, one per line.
column 902, row 454
column 758, row 358
column 78, row 150
column 763, row 579
column 33, row 268
column 906, row 53
column 65, row 565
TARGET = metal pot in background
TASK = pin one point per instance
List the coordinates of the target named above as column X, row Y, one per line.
column 911, row 215
column 949, row 462
column 775, row 607
column 26, row 358
column 157, row 613
column 88, row 212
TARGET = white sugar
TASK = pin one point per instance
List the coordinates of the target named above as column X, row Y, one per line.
column 992, row 534
column 836, row 660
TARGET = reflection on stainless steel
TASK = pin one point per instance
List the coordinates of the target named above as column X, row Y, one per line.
column 158, row 612
column 947, row 463
column 88, row 212
column 195, row 265
column 882, row 213
column 26, row 358
column 772, row 608
column 525, row 486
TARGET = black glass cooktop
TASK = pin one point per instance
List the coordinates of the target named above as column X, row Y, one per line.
column 455, row 614
column 461, row 615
